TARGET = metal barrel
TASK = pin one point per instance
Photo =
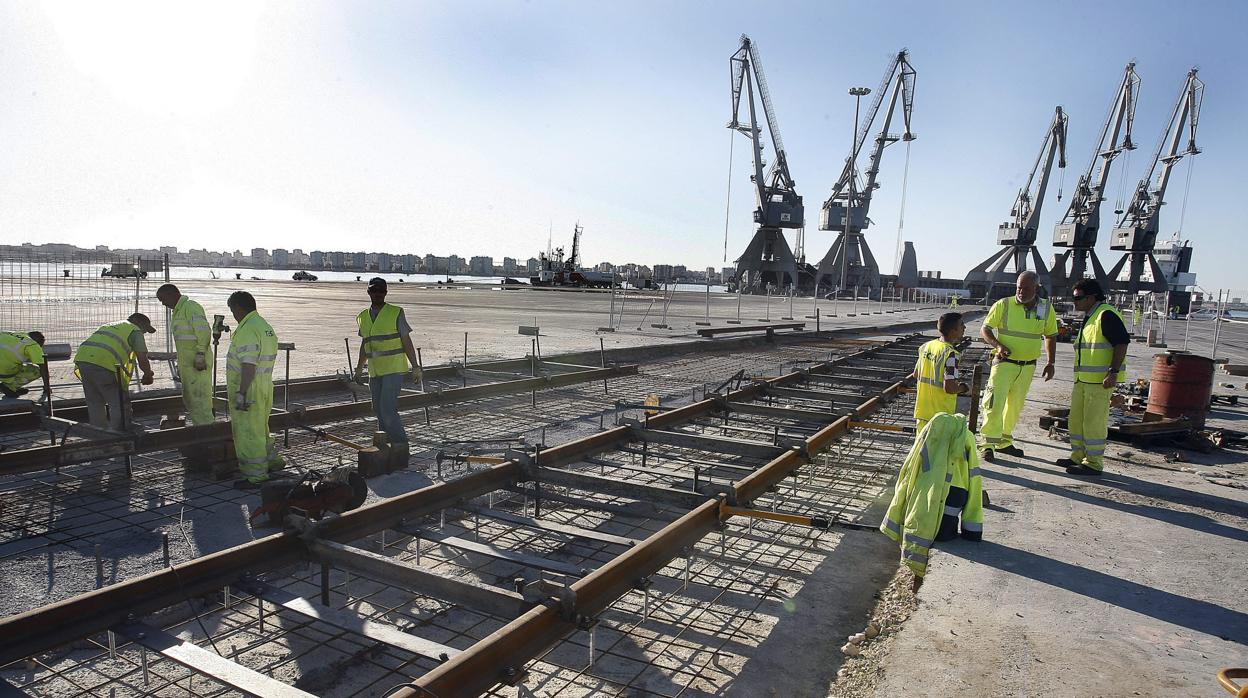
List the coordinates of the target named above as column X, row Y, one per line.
column 1181, row 386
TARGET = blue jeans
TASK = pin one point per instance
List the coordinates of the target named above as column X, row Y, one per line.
column 385, row 392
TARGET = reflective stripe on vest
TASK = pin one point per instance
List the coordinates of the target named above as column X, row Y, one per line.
column 187, row 321
column 931, row 397
column 253, row 342
column 12, row 351
column 382, row 343
column 1093, row 355
column 109, row 348
column 1022, row 330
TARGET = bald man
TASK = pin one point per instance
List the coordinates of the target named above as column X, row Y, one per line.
column 1016, row 327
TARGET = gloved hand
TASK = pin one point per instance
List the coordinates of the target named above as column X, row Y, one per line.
column 417, row 374
column 358, row 376
column 240, row 402
column 147, row 378
column 200, row 364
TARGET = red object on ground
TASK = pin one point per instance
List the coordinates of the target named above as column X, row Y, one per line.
column 1181, row 386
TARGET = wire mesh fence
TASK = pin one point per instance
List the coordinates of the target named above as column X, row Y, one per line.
column 68, row 295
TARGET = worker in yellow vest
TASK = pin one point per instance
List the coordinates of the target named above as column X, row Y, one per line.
column 22, row 361
column 939, row 484
column 104, row 363
column 953, row 301
column 1015, row 328
column 1100, row 365
column 249, row 379
column 936, row 372
column 192, row 337
column 386, row 346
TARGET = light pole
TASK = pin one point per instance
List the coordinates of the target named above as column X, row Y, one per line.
column 857, row 93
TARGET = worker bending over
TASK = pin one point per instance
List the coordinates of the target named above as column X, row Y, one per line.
column 191, row 338
column 386, row 346
column 22, row 361
column 1015, row 328
column 249, row 378
column 936, row 372
column 104, row 363
column 1100, row 364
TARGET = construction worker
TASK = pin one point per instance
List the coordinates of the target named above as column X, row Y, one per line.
column 191, row 338
column 1100, row 364
column 938, row 483
column 386, row 346
column 953, row 300
column 1015, row 328
column 22, row 361
column 104, row 363
column 249, row 379
column 936, row 372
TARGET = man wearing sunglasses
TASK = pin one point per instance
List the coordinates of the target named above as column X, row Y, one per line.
column 1100, row 364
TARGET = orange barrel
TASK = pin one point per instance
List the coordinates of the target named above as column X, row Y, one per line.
column 1181, row 386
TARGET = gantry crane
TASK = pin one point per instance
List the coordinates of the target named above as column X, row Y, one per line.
column 1136, row 233
column 1078, row 228
column 768, row 258
column 1018, row 235
column 849, row 261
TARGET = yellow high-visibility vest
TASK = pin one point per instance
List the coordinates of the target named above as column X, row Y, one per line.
column 1021, row 329
column 16, row 350
column 252, row 342
column 191, row 332
column 110, row 348
column 930, row 396
column 1094, row 353
column 382, row 343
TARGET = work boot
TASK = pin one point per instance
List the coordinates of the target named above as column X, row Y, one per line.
column 8, row 392
column 1011, row 450
column 1083, row 470
column 985, row 454
column 1066, row 463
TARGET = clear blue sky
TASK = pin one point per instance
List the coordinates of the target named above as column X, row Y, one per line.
column 470, row 128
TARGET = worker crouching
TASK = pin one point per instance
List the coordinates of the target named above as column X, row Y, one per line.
column 21, row 362
column 939, row 486
column 249, row 379
column 104, row 363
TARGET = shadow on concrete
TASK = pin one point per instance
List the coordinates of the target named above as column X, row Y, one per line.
column 1195, row 522
column 1144, row 488
column 1194, row 614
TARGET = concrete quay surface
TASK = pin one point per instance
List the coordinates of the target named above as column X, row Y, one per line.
column 1132, row 584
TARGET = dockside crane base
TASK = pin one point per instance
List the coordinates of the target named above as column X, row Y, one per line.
column 767, row 260
column 1136, row 234
column 1018, row 234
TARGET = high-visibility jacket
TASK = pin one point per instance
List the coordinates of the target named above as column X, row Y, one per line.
column 1021, row 329
column 930, row 396
column 252, row 342
column 939, row 481
column 191, row 332
column 16, row 350
column 110, row 348
column 382, row 343
column 1093, row 352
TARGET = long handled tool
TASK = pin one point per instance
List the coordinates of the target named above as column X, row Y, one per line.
column 726, row 512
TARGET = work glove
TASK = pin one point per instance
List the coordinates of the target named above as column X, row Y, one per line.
column 200, row 364
column 417, row 374
column 358, row 377
column 147, row 378
column 240, row 402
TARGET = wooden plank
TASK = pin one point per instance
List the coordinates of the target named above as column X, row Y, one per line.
column 198, row 659
column 466, row 592
column 574, row 531
column 348, row 620
column 539, row 563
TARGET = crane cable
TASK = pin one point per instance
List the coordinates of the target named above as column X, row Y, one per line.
column 901, row 216
column 728, row 205
column 1191, row 165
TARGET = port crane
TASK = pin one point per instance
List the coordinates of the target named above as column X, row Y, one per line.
column 768, row 259
column 1018, row 234
column 846, row 210
column 1136, row 233
column 1078, row 228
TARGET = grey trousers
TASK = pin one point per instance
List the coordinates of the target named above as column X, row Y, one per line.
column 385, row 392
column 104, row 403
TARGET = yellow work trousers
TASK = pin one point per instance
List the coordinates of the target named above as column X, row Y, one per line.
column 196, row 387
column 1089, row 424
column 21, row 376
column 253, row 444
column 1003, row 403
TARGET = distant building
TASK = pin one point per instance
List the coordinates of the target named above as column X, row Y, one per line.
column 481, row 266
column 385, row 261
column 409, row 263
column 455, row 264
column 359, row 261
column 259, row 256
column 435, row 264
column 509, row 266
column 338, row 260
column 532, row 265
column 281, row 258
column 663, row 272
column 317, row 259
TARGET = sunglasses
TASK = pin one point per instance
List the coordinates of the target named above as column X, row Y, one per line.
column 1077, row 298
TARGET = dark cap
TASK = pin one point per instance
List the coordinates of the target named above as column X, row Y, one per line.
column 376, row 284
column 142, row 322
